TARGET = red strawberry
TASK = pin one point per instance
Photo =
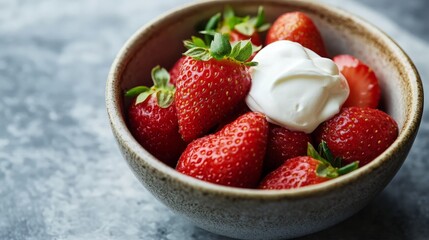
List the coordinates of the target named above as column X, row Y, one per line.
column 232, row 156
column 297, row 27
column 239, row 110
column 358, row 134
column 211, row 83
column 175, row 70
column 363, row 84
column 152, row 118
column 238, row 28
column 284, row 144
column 305, row 170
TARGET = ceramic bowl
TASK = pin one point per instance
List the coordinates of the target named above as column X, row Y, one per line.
column 267, row 214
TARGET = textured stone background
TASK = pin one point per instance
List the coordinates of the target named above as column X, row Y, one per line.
column 61, row 174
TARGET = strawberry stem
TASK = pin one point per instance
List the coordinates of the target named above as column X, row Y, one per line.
column 162, row 88
column 220, row 48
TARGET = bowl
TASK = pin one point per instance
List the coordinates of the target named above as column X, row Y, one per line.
column 267, row 214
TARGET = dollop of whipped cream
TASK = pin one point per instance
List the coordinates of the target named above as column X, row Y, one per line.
column 294, row 87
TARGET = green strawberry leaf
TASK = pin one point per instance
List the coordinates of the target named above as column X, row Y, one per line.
column 245, row 52
column 162, row 88
column 263, row 27
column 220, row 46
column 235, row 49
column 213, row 22
column 133, row 92
column 260, row 18
column 211, row 25
column 245, row 28
column 198, row 42
column 143, row 96
column 165, row 98
column 198, row 53
column 311, row 152
column 327, row 171
column 348, row 168
column 160, row 77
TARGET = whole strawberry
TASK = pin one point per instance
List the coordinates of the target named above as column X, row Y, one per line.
column 212, row 82
column 358, row 134
column 152, row 118
column 238, row 28
column 297, row 27
column 306, row 170
column 232, row 156
column 175, row 70
column 364, row 88
column 284, row 144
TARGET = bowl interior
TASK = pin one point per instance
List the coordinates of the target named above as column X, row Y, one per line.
column 160, row 43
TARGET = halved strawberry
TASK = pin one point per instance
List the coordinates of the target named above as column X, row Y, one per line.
column 297, row 27
column 306, row 170
column 212, row 82
column 364, row 88
column 232, row 157
column 152, row 118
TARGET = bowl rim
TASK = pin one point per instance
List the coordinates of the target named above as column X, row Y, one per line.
column 114, row 110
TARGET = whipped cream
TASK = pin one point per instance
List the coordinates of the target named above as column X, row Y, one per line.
column 294, row 87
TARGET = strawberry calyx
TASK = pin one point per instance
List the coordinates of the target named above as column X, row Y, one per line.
column 162, row 87
column 330, row 166
column 220, row 48
column 245, row 25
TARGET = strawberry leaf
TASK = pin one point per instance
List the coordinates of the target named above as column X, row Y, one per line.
column 245, row 52
column 313, row 153
column 327, row 171
column 348, row 168
column 198, row 42
column 143, row 96
column 220, row 46
column 235, row 49
column 198, row 53
column 160, row 77
column 245, row 28
column 133, row 92
column 165, row 98
column 260, row 18
column 162, row 88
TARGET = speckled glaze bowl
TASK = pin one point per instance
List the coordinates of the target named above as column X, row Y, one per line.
column 269, row 214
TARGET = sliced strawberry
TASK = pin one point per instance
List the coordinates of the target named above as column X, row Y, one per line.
column 358, row 134
column 305, row 170
column 297, row 27
column 284, row 144
column 212, row 82
column 364, row 88
column 232, row 156
column 152, row 118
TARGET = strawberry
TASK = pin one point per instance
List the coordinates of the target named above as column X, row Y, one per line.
column 358, row 134
column 284, row 144
column 152, row 118
column 175, row 70
column 238, row 28
column 363, row 84
column 232, row 157
column 212, row 82
column 297, row 27
column 306, row 170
